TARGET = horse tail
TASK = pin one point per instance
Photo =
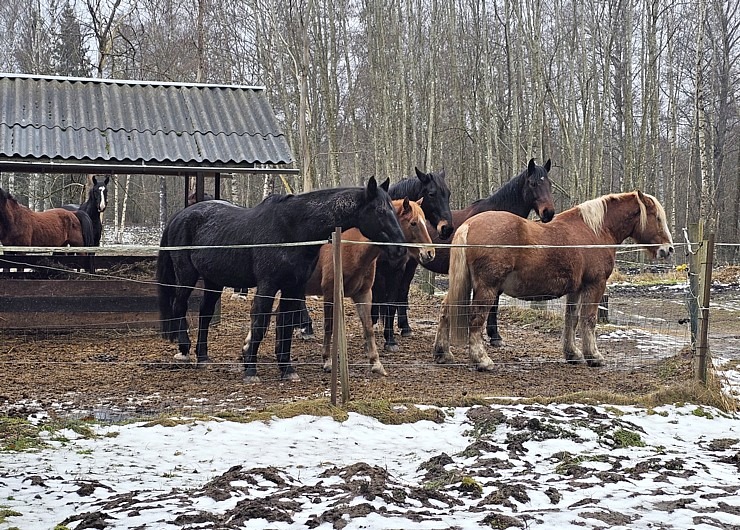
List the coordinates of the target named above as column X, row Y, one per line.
column 166, row 290
column 88, row 232
column 458, row 294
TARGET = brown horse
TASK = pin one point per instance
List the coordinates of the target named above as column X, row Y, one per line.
column 571, row 264
column 21, row 226
column 358, row 269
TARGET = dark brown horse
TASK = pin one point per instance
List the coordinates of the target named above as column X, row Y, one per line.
column 21, row 226
column 572, row 263
column 358, row 270
column 529, row 190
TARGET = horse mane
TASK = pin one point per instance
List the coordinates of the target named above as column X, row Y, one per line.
column 406, row 187
column 594, row 210
column 508, row 193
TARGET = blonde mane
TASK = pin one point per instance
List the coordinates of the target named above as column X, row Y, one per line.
column 593, row 211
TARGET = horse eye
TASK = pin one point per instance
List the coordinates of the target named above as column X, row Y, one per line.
column 413, row 223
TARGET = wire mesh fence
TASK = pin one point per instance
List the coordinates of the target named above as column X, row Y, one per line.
column 115, row 371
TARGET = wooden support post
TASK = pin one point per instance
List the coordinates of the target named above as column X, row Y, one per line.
column 696, row 233
column 339, row 366
column 705, row 282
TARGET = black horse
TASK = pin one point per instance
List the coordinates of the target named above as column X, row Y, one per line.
column 529, row 190
column 389, row 273
column 94, row 206
column 310, row 216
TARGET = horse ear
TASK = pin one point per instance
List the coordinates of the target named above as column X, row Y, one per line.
column 372, row 188
column 421, row 199
column 107, row 180
column 531, row 166
column 406, row 205
column 641, row 197
column 94, row 181
column 421, row 175
column 547, row 165
column 386, row 184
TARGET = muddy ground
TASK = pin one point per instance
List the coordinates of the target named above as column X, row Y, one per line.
column 106, row 373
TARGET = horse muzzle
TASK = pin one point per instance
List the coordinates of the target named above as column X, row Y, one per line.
column 664, row 251
column 426, row 255
column 444, row 229
column 546, row 214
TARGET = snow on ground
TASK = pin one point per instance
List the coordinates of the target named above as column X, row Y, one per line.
column 557, row 466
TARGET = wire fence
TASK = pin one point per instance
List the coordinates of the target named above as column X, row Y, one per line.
column 110, row 371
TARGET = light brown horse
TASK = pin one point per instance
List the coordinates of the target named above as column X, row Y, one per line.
column 21, row 226
column 358, row 269
column 573, row 271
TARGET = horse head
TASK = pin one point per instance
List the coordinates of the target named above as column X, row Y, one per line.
column 414, row 226
column 538, row 190
column 652, row 228
column 436, row 197
column 99, row 193
column 377, row 220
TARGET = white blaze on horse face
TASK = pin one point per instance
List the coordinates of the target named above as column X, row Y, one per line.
column 102, row 206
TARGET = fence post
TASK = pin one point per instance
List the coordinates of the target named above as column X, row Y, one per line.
column 427, row 281
column 705, row 282
column 696, row 233
column 339, row 365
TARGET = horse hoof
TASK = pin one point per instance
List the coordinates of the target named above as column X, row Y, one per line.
column 292, row 376
column 485, row 367
column 406, row 332
column 496, row 342
column 444, row 358
column 307, row 335
column 180, row 357
column 202, row 364
column 251, row 379
column 575, row 360
column 393, row 348
column 595, row 362
column 379, row 370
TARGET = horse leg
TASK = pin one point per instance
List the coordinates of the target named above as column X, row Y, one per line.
column 403, row 297
column 483, row 299
column 378, row 296
column 363, row 302
column 211, row 296
column 590, row 298
column 571, row 351
column 260, row 317
column 288, row 319
column 306, row 327
column 179, row 312
column 441, row 347
column 328, row 331
column 492, row 324
column 388, row 309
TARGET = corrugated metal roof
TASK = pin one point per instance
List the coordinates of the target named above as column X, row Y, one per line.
column 116, row 121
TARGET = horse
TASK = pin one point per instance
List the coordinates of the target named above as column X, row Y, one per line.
column 564, row 267
column 529, row 190
column 269, row 266
column 358, row 270
column 432, row 187
column 21, row 226
column 94, row 206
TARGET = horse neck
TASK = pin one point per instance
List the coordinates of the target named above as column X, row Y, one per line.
column 315, row 215
column 91, row 209
column 411, row 188
column 363, row 254
column 508, row 198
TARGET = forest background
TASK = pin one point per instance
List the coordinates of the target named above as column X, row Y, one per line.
column 620, row 94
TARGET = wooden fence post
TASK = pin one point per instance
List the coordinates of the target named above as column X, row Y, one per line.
column 705, row 284
column 339, row 361
column 696, row 233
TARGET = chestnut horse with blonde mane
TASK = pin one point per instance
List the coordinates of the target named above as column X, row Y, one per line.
column 21, row 226
column 358, row 270
column 570, row 262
